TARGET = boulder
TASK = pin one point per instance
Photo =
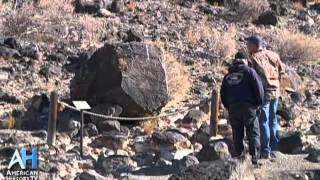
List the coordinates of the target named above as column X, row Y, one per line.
column 202, row 135
column 268, row 18
column 91, row 6
column 36, row 117
column 193, row 118
column 114, row 165
column 113, row 142
column 314, row 156
column 136, row 78
column 109, row 126
column 291, row 81
column 6, row 52
column 5, row 97
column 186, row 162
column 213, row 151
column 315, row 128
column 291, row 143
column 91, row 175
column 91, row 130
column 217, row 170
column 169, row 140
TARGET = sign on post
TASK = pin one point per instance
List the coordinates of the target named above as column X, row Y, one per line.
column 81, row 105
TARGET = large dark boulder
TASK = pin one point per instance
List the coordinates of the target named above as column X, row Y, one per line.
column 291, row 143
column 128, row 74
column 268, row 18
column 91, row 6
column 213, row 151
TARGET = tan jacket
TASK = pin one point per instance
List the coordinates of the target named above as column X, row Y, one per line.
column 270, row 68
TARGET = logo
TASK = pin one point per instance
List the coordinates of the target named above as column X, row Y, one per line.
column 27, row 161
column 22, row 160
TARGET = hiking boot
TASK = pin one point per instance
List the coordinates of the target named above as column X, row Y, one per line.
column 265, row 155
column 254, row 160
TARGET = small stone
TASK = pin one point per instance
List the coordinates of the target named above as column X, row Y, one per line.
column 194, row 117
column 105, row 13
column 90, row 175
column 92, row 130
column 315, row 128
column 213, row 151
column 186, row 162
column 113, row 142
column 109, row 126
column 202, row 135
column 114, row 165
column 145, row 159
column 314, row 156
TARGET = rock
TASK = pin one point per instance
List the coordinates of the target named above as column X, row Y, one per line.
column 113, row 142
column 142, row 144
column 106, row 109
column 202, row 135
column 109, row 126
column 30, row 50
column 291, row 81
column 169, row 140
column 104, row 13
column 127, row 65
column 6, row 53
column 208, row 78
column 268, row 18
column 117, row 6
column 186, row 3
column 217, row 170
column 12, row 43
column 41, row 134
column 194, row 117
column 90, row 175
column 288, row 113
column 90, row 6
column 5, row 97
column 145, row 159
column 216, row 2
column 114, row 165
column 291, row 143
column 36, row 117
column 133, row 35
column 213, row 151
column 6, row 152
column 315, row 128
column 314, row 156
column 186, row 162
column 92, row 130
column 68, row 122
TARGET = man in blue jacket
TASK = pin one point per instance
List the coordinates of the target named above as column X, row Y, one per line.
column 241, row 94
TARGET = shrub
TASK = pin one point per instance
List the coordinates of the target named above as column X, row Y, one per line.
column 248, row 9
column 297, row 47
column 221, row 43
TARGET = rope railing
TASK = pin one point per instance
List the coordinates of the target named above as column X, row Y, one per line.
column 128, row 118
column 54, row 101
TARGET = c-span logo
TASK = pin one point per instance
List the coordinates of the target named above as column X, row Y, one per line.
column 23, row 164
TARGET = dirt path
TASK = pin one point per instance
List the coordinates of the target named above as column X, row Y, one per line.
column 287, row 167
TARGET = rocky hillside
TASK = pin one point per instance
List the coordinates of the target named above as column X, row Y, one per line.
column 142, row 58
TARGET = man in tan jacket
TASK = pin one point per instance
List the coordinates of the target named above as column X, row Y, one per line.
column 269, row 67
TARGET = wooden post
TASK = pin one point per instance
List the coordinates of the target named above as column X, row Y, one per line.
column 81, row 133
column 53, row 116
column 214, row 113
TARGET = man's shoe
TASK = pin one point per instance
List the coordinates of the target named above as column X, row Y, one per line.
column 254, row 160
column 265, row 155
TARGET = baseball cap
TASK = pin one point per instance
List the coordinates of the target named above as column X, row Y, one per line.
column 255, row 39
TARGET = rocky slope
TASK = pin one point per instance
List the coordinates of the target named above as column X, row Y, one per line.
column 49, row 45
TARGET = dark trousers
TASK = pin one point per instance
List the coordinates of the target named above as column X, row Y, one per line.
column 244, row 116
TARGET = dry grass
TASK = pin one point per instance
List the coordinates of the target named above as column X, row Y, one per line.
column 51, row 21
column 298, row 47
column 221, row 43
column 248, row 9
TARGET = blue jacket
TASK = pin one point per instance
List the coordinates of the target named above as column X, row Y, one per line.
column 242, row 84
